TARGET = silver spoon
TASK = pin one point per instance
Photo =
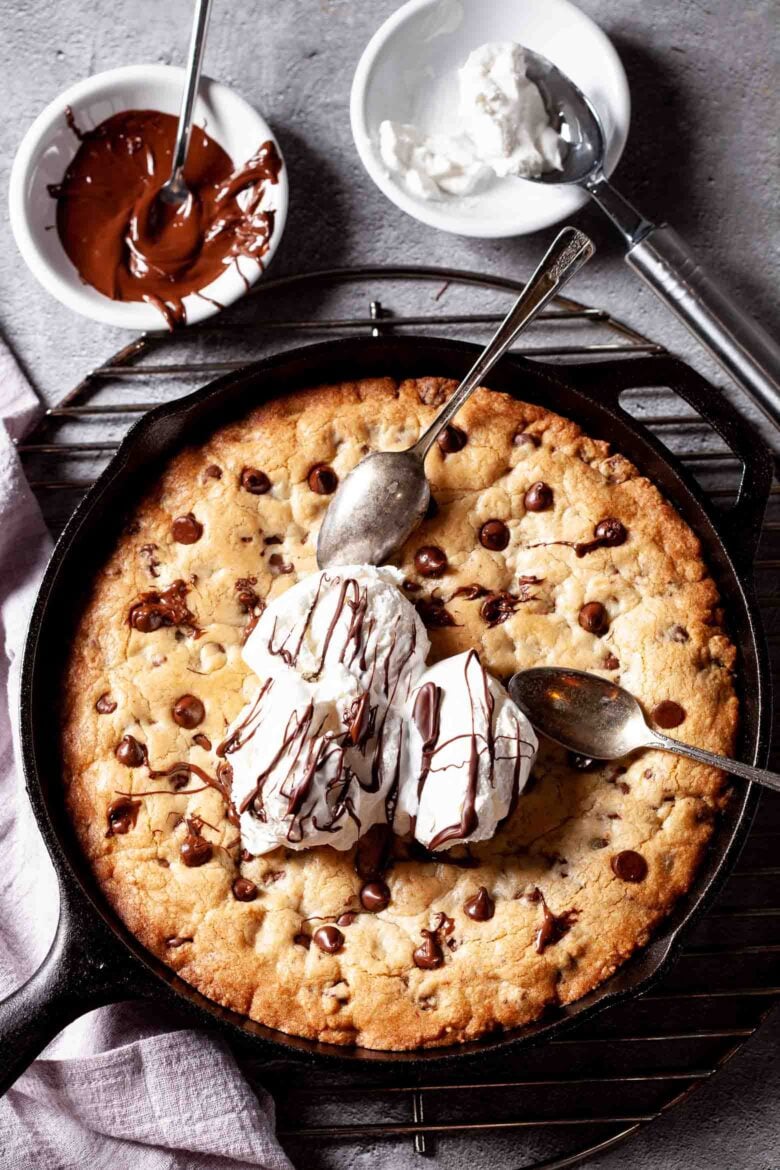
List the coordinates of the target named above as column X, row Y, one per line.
column 658, row 254
column 597, row 719
column 385, row 497
column 174, row 190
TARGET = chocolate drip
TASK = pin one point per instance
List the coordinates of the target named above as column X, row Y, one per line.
column 426, row 713
column 468, row 819
column 554, row 926
column 122, row 815
column 168, row 607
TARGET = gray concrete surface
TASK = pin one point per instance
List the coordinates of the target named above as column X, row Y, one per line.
column 700, row 153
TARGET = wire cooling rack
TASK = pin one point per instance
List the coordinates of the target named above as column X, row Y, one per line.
column 555, row 1105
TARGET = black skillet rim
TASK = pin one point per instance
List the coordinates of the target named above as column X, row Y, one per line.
column 83, row 899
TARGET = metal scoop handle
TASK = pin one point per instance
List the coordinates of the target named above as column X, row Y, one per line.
column 665, row 262
column 569, row 251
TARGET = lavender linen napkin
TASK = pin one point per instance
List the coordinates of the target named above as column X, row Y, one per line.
column 118, row 1089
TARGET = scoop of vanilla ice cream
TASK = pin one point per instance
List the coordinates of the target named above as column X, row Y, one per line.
column 354, row 618
column 431, row 164
column 468, row 755
column 316, row 757
column 504, row 114
column 313, row 763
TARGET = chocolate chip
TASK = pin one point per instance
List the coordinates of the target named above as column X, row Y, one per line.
column 322, row 479
column 188, row 711
column 244, row 890
column 329, row 939
column 255, row 482
column 122, row 815
column 130, row 752
column 430, row 561
column 429, row 955
column 668, row 714
column 494, row 535
column 498, row 607
column 610, row 531
column 629, row 866
column 202, row 741
column 410, row 586
column 611, row 662
column 598, row 843
column 213, row 471
column 375, row 896
column 302, row 940
column 452, row 439
column 167, row 608
column 481, row 906
column 539, row 497
column 433, row 613
column 523, row 439
column 186, row 529
column 594, row 618
column 679, row 634
column 195, row 851
column 105, row 704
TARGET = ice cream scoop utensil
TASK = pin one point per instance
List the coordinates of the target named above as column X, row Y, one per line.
column 657, row 253
column 385, row 497
column 599, row 720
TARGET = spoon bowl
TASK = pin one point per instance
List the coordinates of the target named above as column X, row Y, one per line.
column 575, row 119
column 376, row 507
column 583, row 712
column 599, row 720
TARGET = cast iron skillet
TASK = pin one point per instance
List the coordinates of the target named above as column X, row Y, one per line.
column 94, row 960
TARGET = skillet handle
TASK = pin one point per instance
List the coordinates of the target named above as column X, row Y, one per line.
column 741, row 524
column 83, row 970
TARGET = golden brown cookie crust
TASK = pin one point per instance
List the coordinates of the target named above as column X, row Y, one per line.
column 664, row 642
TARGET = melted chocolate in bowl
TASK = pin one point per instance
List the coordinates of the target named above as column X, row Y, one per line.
column 131, row 246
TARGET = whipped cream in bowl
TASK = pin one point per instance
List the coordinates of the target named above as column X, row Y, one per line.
column 348, row 729
column 449, row 126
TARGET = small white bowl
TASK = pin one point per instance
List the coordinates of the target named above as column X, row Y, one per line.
column 408, row 64
column 49, row 146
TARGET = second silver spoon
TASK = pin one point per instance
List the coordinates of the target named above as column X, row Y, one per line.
column 382, row 500
column 599, row 720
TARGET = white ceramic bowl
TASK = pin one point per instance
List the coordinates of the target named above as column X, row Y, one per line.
column 49, row 146
column 400, row 77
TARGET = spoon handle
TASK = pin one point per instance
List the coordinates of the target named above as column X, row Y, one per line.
column 191, row 82
column 567, row 254
column 734, row 767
